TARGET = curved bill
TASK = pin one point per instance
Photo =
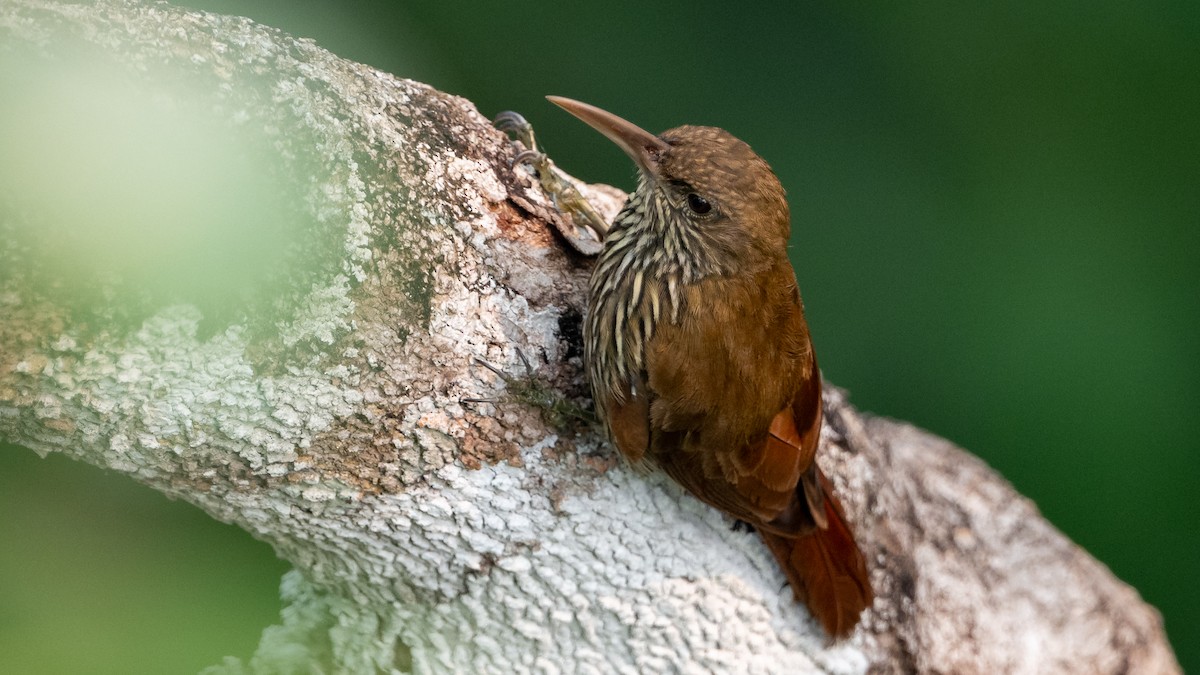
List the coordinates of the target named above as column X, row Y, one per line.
column 642, row 146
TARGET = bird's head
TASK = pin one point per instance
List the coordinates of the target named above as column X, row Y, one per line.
column 700, row 188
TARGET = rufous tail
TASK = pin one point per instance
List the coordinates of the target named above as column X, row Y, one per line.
column 826, row 569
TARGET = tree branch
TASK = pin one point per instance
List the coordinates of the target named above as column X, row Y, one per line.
column 300, row 373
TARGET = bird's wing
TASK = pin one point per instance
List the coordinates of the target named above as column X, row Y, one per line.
column 781, row 472
column 772, row 481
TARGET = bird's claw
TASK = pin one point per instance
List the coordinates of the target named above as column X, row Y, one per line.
column 529, row 390
column 508, row 379
column 530, row 157
column 585, row 229
column 514, row 122
column 504, row 377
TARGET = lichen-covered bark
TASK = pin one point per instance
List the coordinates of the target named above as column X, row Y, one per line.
column 321, row 411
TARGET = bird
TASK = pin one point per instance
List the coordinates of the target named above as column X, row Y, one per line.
column 700, row 359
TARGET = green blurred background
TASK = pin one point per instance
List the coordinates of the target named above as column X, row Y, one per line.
column 996, row 229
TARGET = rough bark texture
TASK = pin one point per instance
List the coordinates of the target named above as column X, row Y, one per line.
column 323, row 415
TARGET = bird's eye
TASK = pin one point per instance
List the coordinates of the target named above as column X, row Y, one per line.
column 699, row 205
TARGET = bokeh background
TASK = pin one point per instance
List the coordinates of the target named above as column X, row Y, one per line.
column 996, row 229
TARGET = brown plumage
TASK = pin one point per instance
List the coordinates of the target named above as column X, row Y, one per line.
column 700, row 358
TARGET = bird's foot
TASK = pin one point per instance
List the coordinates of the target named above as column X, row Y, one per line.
column 528, row 389
column 585, row 228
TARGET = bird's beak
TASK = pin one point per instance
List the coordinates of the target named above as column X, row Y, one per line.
column 643, row 147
